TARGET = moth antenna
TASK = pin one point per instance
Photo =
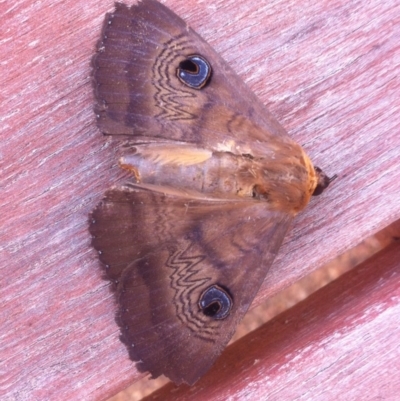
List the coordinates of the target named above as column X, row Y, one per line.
column 333, row 178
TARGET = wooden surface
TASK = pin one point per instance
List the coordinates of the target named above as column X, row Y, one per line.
column 341, row 343
column 327, row 70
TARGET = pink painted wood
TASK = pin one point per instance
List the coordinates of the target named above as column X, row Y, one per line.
column 327, row 70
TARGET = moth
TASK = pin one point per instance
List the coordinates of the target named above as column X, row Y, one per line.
column 216, row 182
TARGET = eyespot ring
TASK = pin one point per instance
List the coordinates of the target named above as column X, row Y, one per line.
column 216, row 302
column 194, row 71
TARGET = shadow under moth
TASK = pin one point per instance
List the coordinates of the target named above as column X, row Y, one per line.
column 216, row 182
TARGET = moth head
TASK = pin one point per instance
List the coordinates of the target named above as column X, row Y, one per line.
column 323, row 181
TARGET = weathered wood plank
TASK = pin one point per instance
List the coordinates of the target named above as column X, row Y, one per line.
column 328, row 71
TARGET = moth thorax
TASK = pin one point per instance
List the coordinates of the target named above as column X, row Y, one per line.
column 285, row 182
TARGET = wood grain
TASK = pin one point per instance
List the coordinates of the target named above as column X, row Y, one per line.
column 329, row 73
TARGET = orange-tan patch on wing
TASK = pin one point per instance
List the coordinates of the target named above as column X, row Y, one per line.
column 179, row 155
column 130, row 168
column 312, row 176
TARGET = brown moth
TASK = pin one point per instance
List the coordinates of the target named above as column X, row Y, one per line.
column 216, row 182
